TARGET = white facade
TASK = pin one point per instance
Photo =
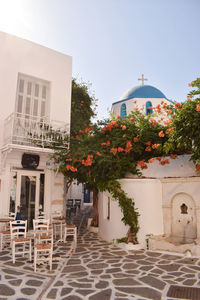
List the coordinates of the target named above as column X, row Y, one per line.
column 35, row 92
column 159, row 197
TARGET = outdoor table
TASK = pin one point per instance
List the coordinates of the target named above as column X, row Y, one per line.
column 59, row 221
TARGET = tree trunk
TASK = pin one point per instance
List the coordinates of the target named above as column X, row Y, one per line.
column 95, row 220
column 132, row 237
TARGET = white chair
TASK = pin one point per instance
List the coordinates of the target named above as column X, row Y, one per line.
column 70, row 230
column 58, row 222
column 43, row 232
column 19, row 241
column 43, row 245
column 43, row 253
column 4, row 238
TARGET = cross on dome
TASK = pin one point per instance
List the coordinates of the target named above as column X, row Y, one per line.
column 143, row 79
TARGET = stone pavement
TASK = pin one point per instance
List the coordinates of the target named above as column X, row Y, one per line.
column 97, row 270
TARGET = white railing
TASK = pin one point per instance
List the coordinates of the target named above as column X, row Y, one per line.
column 33, row 131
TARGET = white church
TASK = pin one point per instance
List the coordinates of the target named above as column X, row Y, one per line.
column 143, row 97
column 35, row 93
column 167, row 197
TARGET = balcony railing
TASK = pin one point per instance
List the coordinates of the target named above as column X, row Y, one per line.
column 33, row 131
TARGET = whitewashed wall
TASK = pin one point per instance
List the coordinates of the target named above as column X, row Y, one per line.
column 152, row 197
column 21, row 56
column 147, row 195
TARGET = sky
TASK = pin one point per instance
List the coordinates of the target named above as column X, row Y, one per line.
column 114, row 42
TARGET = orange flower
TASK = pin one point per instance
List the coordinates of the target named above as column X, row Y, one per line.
column 118, row 117
column 155, row 146
column 198, row 107
column 113, row 151
column 135, row 139
column 197, row 167
column 123, row 127
column 132, row 119
column 161, row 133
column 173, row 156
column 120, row 149
column 151, row 160
column 99, row 154
column 148, row 143
column 148, row 148
column 142, row 164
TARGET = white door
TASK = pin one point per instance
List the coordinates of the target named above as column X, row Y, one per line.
column 29, row 194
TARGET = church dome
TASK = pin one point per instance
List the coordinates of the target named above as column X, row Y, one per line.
column 143, row 91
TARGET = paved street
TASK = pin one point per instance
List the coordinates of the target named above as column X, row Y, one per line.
column 96, row 270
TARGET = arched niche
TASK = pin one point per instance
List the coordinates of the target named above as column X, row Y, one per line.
column 183, row 219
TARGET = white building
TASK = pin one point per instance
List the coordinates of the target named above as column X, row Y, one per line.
column 143, row 97
column 35, row 91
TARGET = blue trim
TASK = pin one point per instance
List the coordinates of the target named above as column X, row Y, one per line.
column 123, row 112
column 149, row 110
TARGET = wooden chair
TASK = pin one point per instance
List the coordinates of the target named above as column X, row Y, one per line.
column 43, row 232
column 70, row 230
column 18, row 231
column 43, row 246
column 4, row 238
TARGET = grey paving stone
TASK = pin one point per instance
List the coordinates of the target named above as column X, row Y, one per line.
column 15, row 282
column 72, row 269
column 189, row 282
column 103, row 295
column 97, row 266
column 153, row 254
column 58, row 283
column 187, row 270
column 153, row 282
column 130, row 266
column 143, row 292
column 80, row 285
column 74, row 261
column 52, row 294
column 6, row 290
column 28, row 291
column 126, row 282
column 102, row 284
column 113, row 270
column 65, row 291
column 12, row 272
column 72, row 297
column 170, row 267
column 34, row 283
column 85, row 292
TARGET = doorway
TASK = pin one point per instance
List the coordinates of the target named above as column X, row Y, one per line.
column 29, row 194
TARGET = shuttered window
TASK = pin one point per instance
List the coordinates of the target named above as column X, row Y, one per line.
column 32, row 96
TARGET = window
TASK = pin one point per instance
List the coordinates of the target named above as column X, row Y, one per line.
column 149, row 109
column 32, row 96
column 123, row 113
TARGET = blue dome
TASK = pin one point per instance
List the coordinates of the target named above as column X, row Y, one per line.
column 143, row 91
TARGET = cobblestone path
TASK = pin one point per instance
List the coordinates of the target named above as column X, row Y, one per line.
column 97, row 270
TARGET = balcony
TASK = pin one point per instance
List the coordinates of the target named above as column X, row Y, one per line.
column 33, row 131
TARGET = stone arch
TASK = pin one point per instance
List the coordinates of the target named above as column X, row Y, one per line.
column 183, row 219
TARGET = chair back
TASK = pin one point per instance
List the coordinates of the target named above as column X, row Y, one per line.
column 40, row 224
column 18, row 229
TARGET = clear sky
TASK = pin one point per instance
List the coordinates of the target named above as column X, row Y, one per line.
column 113, row 42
